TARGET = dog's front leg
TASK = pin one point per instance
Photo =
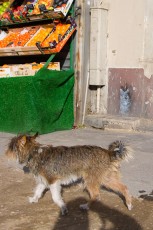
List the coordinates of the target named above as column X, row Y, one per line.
column 56, row 196
column 38, row 193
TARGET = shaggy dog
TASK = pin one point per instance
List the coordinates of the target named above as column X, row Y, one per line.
column 61, row 165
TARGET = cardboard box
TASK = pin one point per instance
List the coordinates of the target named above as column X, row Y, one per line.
column 64, row 9
column 25, row 69
column 36, row 67
column 51, row 66
column 61, row 44
column 21, row 70
column 5, row 72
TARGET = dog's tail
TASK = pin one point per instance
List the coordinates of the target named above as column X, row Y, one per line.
column 120, row 151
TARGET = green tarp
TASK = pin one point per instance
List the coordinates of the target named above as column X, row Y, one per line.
column 42, row 103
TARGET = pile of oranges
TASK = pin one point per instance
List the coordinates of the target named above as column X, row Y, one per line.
column 57, row 33
column 23, row 38
column 39, row 36
column 18, row 38
column 9, row 40
column 31, row 35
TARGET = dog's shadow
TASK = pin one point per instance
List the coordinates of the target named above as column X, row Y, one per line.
column 148, row 197
column 108, row 218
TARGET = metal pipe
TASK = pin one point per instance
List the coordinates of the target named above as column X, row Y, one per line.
column 98, row 99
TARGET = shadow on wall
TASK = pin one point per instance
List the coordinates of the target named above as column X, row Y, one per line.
column 108, row 218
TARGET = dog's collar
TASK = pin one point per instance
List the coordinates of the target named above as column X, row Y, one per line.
column 29, row 158
column 34, row 151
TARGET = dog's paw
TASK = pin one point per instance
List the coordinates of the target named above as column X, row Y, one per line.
column 33, row 200
column 84, row 206
column 64, row 210
column 129, row 206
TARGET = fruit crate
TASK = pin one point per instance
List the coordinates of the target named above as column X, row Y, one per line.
column 64, row 8
column 55, row 42
column 17, row 51
column 18, row 37
column 13, row 43
column 40, row 35
column 47, row 39
column 26, row 12
column 44, row 12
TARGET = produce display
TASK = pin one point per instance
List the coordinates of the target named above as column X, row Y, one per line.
column 18, row 37
column 56, row 35
column 39, row 36
column 51, row 66
column 41, row 6
column 24, row 36
column 42, row 39
column 3, row 34
column 28, row 69
column 4, row 6
column 59, row 3
column 46, row 39
column 15, row 13
column 47, row 36
column 20, row 11
column 9, row 39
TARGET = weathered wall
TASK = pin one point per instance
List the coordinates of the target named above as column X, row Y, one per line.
column 146, row 60
column 130, row 35
column 81, row 59
column 140, row 93
column 129, row 59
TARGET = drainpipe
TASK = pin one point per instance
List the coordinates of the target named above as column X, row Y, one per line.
column 98, row 99
column 85, row 99
column 98, row 49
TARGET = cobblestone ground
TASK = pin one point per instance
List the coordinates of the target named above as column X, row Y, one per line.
column 110, row 213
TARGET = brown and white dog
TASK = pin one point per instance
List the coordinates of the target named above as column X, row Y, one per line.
column 61, row 165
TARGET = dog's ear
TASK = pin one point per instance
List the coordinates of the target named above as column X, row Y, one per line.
column 35, row 136
column 22, row 141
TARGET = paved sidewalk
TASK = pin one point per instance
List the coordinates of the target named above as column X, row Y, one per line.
column 108, row 214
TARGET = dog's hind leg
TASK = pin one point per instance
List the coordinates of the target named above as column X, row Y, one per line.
column 93, row 189
column 38, row 193
column 57, row 198
column 117, row 186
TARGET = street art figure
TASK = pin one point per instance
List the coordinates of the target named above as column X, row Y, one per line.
column 125, row 100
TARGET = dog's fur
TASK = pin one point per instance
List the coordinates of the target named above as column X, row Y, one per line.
column 61, row 165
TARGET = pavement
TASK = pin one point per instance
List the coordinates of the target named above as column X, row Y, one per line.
column 136, row 174
column 107, row 214
column 119, row 122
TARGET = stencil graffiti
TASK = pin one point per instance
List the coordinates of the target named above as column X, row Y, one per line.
column 125, row 100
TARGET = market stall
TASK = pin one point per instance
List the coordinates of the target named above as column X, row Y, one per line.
column 36, row 97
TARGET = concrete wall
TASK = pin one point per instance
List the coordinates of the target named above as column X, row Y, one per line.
column 146, row 61
column 130, row 35
column 129, row 59
column 125, row 33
